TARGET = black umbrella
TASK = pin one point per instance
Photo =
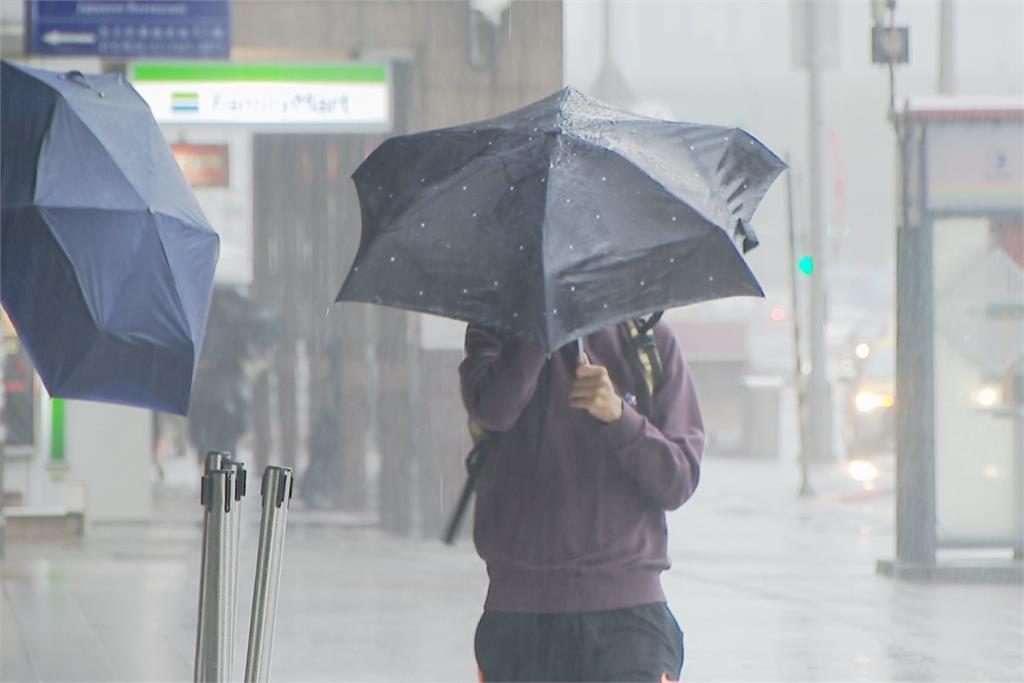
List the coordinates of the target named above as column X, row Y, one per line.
column 558, row 219
column 107, row 259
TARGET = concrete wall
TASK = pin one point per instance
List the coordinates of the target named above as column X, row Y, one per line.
column 401, row 420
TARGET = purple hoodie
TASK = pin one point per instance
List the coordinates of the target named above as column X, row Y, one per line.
column 570, row 512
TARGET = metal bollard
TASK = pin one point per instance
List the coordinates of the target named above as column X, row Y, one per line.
column 214, row 461
column 214, row 640
column 234, row 552
column 276, row 492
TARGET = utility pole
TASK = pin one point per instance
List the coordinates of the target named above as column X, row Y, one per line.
column 819, row 399
column 799, row 379
column 946, row 37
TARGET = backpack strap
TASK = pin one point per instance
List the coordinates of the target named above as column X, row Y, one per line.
column 649, row 348
column 644, row 360
column 476, row 432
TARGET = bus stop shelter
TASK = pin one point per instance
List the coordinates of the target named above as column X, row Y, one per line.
column 960, row 341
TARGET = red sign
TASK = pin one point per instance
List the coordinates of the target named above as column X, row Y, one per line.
column 203, row 165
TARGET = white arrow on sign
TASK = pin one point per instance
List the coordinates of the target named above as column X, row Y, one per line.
column 66, row 38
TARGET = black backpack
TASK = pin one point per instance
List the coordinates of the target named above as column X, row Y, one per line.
column 645, row 363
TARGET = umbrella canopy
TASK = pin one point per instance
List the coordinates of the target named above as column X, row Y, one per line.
column 558, row 219
column 106, row 261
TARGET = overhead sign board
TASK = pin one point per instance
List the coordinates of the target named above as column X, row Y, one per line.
column 976, row 166
column 131, row 28
column 277, row 96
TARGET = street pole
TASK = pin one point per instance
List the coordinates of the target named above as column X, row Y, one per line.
column 798, row 363
column 818, row 394
column 946, row 33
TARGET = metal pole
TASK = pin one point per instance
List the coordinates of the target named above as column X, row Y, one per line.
column 276, row 492
column 214, row 461
column 915, row 369
column 214, row 665
column 234, row 551
column 798, row 373
column 3, row 449
column 946, row 32
column 818, row 395
column 3, row 517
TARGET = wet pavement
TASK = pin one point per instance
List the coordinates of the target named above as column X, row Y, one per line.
column 767, row 587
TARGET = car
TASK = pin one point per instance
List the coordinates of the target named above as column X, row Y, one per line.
column 870, row 424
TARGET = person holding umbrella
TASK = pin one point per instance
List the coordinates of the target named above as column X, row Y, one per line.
column 549, row 230
column 570, row 512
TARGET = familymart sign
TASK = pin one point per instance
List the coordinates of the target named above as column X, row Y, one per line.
column 354, row 96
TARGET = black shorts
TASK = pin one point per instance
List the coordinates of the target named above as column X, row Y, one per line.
column 642, row 644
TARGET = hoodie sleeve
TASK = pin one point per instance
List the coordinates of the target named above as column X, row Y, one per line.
column 662, row 454
column 498, row 377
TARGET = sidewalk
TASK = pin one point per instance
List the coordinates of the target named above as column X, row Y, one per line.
column 767, row 587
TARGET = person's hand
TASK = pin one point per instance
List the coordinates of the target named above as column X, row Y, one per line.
column 594, row 392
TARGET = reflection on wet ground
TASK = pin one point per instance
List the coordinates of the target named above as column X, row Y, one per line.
column 766, row 586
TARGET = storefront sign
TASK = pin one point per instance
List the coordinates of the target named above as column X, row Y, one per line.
column 354, row 96
column 203, row 165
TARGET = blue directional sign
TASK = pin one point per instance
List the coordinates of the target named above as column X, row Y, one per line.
column 131, row 28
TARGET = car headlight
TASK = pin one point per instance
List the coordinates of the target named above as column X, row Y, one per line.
column 988, row 396
column 868, row 401
column 862, row 471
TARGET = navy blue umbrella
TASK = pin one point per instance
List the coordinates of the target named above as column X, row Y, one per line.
column 106, row 259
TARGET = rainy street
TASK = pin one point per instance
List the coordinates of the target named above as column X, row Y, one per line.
column 640, row 341
column 789, row 583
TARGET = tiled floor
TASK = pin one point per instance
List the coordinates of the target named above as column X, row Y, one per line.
column 766, row 586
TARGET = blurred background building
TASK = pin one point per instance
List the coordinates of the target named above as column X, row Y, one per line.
column 364, row 401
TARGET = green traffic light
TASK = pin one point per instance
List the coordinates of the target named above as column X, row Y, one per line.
column 806, row 265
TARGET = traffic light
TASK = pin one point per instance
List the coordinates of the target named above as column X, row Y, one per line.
column 806, row 265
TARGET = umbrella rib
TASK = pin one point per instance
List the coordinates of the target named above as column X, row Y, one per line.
column 70, row 261
column 177, row 294
column 113, row 160
column 653, row 179
column 454, row 173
